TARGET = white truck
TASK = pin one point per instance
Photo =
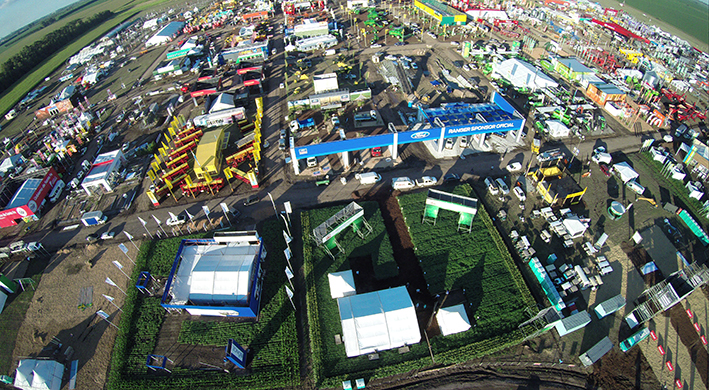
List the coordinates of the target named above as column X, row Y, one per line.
column 368, row 178
column 93, row 218
column 426, row 181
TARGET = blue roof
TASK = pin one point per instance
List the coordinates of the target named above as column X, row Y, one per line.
column 464, row 114
column 23, row 195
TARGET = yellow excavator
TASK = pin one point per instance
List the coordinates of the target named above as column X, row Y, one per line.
column 651, row 201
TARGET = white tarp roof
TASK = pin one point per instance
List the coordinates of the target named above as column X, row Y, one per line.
column 341, row 284
column 378, row 321
column 625, row 172
column 452, row 320
column 223, row 102
column 524, row 75
column 34, row 374
column 574, row 226
column 214, row 273
column 557, row 129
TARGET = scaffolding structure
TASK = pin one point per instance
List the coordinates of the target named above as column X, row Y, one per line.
column 352, row 215
column 466, row 208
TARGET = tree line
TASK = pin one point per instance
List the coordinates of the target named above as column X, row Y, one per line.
column 23, row 62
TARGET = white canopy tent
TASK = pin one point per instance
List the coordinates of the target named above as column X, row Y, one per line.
column 574, row 226
column 33, row 374
column 557, row 129
column 341, row 284
column 524, row 75
column 224, row 101
column 452, row 320
column 625, row 172
column 378, row 321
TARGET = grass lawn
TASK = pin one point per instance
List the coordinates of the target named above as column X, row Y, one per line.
column 330, row 364
column 273, row 339
column 477, row 262
column 10, row 321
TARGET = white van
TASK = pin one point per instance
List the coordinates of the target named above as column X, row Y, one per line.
column 312, row 162
column 503, row 187
column 635, row 187
column 491, row 187
column 56, row 191
column 368, row 178
column 402, row 183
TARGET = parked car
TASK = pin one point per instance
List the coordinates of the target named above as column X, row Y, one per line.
column 680, row 131
column 426, row 181
column 281, row 144
column 503, row 186
column 491, row 186
column 449, row 143
column 251, row 199
column 176, row 221
column 514, row 167
column 432, row 35
column 376, row 45
column 108, row 235
column 92, row 237
column 605, row 169
column 283, row 133
column 519, row 193
column 466, row 68
column 312, row 162
column 451, row 177
column 401, row 183
column 335, row 121
column 414, row 65
column 454, row 43
column 463, row 141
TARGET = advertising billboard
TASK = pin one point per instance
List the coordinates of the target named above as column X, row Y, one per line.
column 29, row 206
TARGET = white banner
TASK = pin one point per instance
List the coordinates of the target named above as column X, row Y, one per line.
column 109, row 298
column 102, row 314
column 205, row 208
column 289, row 273
column 109, row 281
column 157, row 220
column 287, row 237
column 289, row 210
column 128, row 235
column 172, row 216
column 189, row 215
column 289, row 292
column 123, row 248
column 142, row 221
column 117, row 264
column 287, row 253
column 225, row 208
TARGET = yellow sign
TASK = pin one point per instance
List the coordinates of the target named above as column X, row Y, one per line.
column 155, row 166
column 164, row 146
column 157, row 158
column 168, row 183
column 207, row 177
column 188, row 180
column 171, row 131
column 162, row 151
column 152, row 197
column 228, row 173
column 151, row 174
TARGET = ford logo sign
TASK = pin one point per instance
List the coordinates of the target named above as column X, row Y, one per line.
column 420, row 134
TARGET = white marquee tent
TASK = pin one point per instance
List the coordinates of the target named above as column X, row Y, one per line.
column 452, row 320
column 524, row 75
column 341, row 284
column 378, row 321
column 32, row 374
column 625, row 172
column 213, row 274
column 557, row 129
column 224, row 101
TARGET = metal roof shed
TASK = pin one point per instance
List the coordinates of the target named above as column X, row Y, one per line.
column 572, row 323
column 596, row 352
column 610, row 306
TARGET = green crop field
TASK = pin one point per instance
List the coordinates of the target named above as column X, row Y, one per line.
column 13, row 315
column 273, row 339
column 122, row 8
column 499, row 299
column 688, row 16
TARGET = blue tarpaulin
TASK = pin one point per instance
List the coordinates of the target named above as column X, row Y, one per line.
column 435, row 83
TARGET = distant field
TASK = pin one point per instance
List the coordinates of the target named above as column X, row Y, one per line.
column 122, row 8
column 688, row 16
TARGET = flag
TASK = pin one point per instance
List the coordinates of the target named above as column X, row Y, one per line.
column 224, row 207
column 142, row 221
column 228, row 173
column 205, row 208
column 109, row 298
column 104, row 315
column 156, row 220
column 188, row 215
column 287, row 253
column 109, row 281
column 289, row 292
column 287, row 237
column 288, row 208
column 289, row 273
column 172, row 216
column 117, row 264
column 128, row 235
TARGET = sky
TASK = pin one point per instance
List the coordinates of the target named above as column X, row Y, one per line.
column 17, row 13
